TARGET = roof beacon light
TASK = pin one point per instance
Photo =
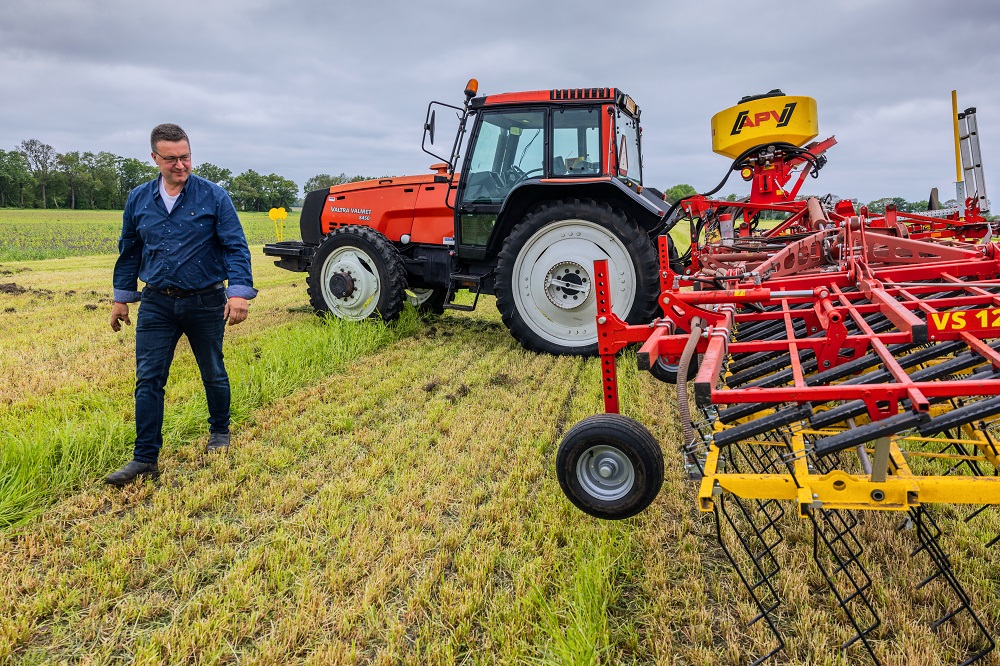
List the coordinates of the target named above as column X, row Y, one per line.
column 471, row 88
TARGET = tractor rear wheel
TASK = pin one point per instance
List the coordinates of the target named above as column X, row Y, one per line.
column 545, row 275
column 356, row 274
column 610, row 466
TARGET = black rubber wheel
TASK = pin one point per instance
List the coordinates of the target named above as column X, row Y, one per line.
column 545, row 275
column 667, row 372
column 609, row 466
column 357, row 274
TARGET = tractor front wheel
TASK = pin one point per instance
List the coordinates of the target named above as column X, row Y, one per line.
column 610, row 466
column 545, row 275
column 357, row 274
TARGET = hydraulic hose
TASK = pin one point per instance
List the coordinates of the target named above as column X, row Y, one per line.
column 737, row 165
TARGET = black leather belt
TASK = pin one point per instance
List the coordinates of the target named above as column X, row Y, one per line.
column 174, row 292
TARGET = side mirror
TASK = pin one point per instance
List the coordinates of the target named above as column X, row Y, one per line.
column 429, row 127
column 450, row 129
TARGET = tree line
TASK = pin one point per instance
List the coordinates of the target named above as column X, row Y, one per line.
column 34, row 175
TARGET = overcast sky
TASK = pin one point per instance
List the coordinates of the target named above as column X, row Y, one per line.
column 300, row 88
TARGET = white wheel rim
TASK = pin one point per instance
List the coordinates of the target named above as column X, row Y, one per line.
column 359, row 265
column 542, row 295
column 418, row 296
column 605, row 473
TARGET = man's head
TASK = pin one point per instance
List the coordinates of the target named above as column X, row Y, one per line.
column 171, row 153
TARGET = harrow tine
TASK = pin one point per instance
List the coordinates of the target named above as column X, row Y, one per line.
column 928, row 534
column 761, row 590
column 849, row 569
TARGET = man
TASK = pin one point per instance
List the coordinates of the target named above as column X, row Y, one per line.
column 180, row 236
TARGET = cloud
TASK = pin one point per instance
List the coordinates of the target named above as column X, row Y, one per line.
column 308, row 87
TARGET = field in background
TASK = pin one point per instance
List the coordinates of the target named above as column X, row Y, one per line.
column 390, row 497
column 49, row 234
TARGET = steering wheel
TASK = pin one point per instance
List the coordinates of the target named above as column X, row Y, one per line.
column 516, row 174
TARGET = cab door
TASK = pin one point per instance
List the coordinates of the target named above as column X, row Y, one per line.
column 508, row 146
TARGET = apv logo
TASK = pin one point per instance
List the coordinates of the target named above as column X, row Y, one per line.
column 744, row 120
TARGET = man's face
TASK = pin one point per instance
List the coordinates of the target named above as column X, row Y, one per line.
column 174, row 160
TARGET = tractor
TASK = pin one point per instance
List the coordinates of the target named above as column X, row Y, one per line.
column 551, row 181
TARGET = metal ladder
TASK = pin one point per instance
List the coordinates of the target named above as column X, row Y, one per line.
column 972, row 163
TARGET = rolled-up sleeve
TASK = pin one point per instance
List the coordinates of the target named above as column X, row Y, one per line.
column 236, row 254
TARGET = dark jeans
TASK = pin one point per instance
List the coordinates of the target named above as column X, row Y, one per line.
column 159, row 325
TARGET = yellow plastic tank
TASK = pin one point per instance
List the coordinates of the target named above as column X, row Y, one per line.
column 764, row 120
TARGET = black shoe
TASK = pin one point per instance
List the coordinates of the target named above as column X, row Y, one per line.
column 217, row 441
column 131, row 472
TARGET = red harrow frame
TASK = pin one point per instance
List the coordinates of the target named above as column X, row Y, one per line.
column 842, row 361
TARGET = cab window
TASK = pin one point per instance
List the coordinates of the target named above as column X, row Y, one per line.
column 576, row 141
column 627, row 142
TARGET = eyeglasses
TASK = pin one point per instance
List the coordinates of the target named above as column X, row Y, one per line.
column 175, row 158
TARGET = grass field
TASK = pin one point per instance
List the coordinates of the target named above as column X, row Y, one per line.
column 390, row 498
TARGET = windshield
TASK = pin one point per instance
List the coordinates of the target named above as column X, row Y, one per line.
column 627, row 135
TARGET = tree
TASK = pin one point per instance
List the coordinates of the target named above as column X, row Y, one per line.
column 253, row 192
column 41, row 159
column 324, row 181
column 678, row 192
column 218, row 175
column 101, row 189
column 75, row 173
column 15, row 176
column 279, row 192
column 131, row 174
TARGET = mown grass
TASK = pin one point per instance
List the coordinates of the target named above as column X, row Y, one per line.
column 397, row 506
column 33, row 234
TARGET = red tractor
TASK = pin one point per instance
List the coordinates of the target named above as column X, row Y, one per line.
column 551, row 181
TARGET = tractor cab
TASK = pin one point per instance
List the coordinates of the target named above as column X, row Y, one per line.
column 520, row 145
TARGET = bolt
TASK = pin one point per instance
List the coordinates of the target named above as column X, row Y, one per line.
column 815, row 495
column 602, row 320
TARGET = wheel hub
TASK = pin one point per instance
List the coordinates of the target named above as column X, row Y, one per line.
column 342, row 285
column 567, row 285
column 606, row 473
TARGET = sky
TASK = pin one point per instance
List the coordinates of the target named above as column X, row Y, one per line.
column 300, row 88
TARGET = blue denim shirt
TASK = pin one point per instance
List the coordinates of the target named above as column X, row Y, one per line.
column 198, row 243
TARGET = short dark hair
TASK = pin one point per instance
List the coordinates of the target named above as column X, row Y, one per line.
column 167, row 132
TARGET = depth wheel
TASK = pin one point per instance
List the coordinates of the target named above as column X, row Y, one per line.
column 609, row 466
column 667, row 372
column 545, row 275
column 357, row 274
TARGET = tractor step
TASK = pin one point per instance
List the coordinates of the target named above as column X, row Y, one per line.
column 464, row 281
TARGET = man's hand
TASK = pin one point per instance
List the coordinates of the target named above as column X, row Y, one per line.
column 236, row 310
column 119, row 313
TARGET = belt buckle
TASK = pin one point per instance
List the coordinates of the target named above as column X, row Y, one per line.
column 172, row 292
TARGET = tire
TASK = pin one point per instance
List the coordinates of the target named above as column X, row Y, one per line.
column 544, row 283
column 667, row 372
column 357, row 274
column 426, row 300
column 609, row 466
